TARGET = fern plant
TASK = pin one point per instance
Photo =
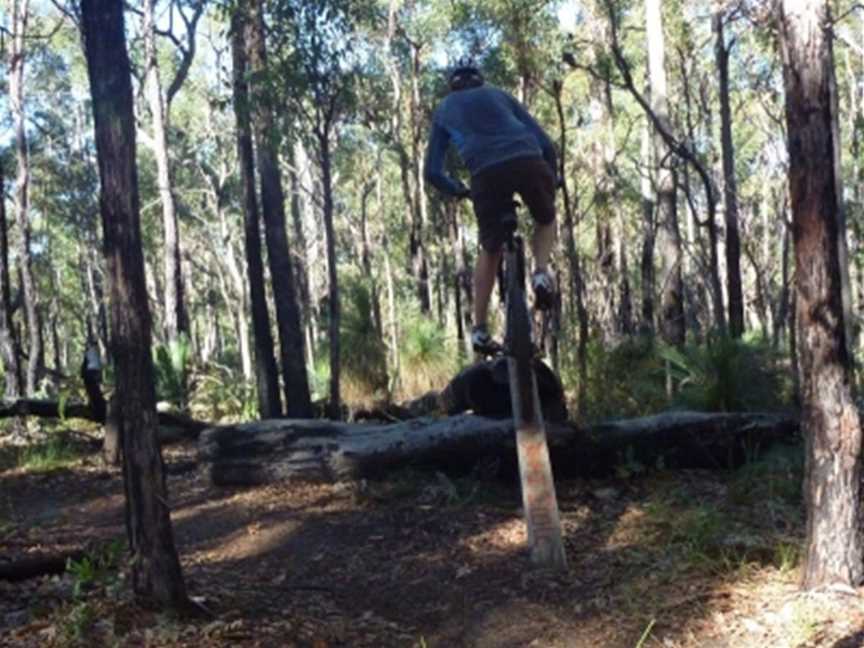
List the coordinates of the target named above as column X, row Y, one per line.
column 171, row 367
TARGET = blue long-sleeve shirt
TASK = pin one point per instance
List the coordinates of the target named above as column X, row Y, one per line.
column 488, row 127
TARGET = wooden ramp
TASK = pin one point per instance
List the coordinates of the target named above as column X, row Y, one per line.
column 538, row 485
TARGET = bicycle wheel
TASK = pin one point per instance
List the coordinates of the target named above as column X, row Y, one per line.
column 519, row 343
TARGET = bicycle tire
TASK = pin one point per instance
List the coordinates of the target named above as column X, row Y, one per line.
column 519, row 343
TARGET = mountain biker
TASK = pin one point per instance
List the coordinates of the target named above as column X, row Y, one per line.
column 506, row 152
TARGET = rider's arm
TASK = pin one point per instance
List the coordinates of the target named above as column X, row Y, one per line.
column 540, row 135
column 435, row 152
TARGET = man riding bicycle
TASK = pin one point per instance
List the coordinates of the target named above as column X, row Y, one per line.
column 506, row 152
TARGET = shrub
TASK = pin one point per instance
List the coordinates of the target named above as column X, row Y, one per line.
column 428, row 359
column 363, row 352
column 727, row 375
column 171, row 368
column 722, row 374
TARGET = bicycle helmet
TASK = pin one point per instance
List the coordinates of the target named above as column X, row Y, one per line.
column 464, row 75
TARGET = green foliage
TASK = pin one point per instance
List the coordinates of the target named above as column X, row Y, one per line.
column 97, row 568
column 364, row 355
column 75, row 629
column 623, row 381
column 222, row 394
column 727, row 375
column 775, row 479
column 319, row 375
column 428, row 358
column 721, row 375
column 58, row 451
column 171, row 368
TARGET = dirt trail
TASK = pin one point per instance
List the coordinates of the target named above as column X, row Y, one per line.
column 424, row 561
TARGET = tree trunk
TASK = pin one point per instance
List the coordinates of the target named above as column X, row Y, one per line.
column 669, row 238
column 842, row 247
column 419, row 253
column 156, row 573
column 176, row 320
column 301, row 262
column 730, row 190
column 335, row 404
column 20, row 17
column 649, row 233
column 296, row 383
column 8, row 345
column 576, row 280
column 266, row 373
column 830, row 420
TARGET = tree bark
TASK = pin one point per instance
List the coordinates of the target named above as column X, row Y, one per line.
column 335, row 307
column 830, row 420
column 730, row 189
column 20, row 18
column 8, row 344
column 668, row 235
column 266, row 372
column 176, row 319
column 298, row 403
column 269, row 451
column 156, row 573
column 577, row 292
column 649, row 236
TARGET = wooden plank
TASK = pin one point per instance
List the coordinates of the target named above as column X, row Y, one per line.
column 538, row 485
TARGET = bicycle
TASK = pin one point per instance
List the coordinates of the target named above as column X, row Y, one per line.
column 535, row 470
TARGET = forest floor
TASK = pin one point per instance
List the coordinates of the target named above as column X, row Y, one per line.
column 681, row 559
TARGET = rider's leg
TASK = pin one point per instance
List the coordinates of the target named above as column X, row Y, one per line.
column 541, row 244
column 485, row 273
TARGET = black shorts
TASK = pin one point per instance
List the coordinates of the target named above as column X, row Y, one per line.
column 492, row 194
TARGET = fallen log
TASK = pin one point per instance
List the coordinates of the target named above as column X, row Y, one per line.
column 172, row 427
column 41, row 565
column 268, row 451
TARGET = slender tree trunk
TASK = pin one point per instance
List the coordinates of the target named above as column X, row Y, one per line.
column 830, row 420
column 366, row 261
column 20, row 17
column 781, row 318
column 576, row 281
column 301, row 262
column 156, row 573
column 176, row 320
column 649, row 231
column 8, row 345
column 394, row 323
column 419, row 253
column 266, row 373
column 730, row 190
column 842, row 247
column 296, row 383
column 669, row 238
column 335, row 404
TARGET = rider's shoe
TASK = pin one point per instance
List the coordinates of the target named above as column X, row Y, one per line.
column 482, row 341
column 543, row 285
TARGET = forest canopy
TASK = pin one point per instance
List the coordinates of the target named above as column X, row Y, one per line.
column 350, row 88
